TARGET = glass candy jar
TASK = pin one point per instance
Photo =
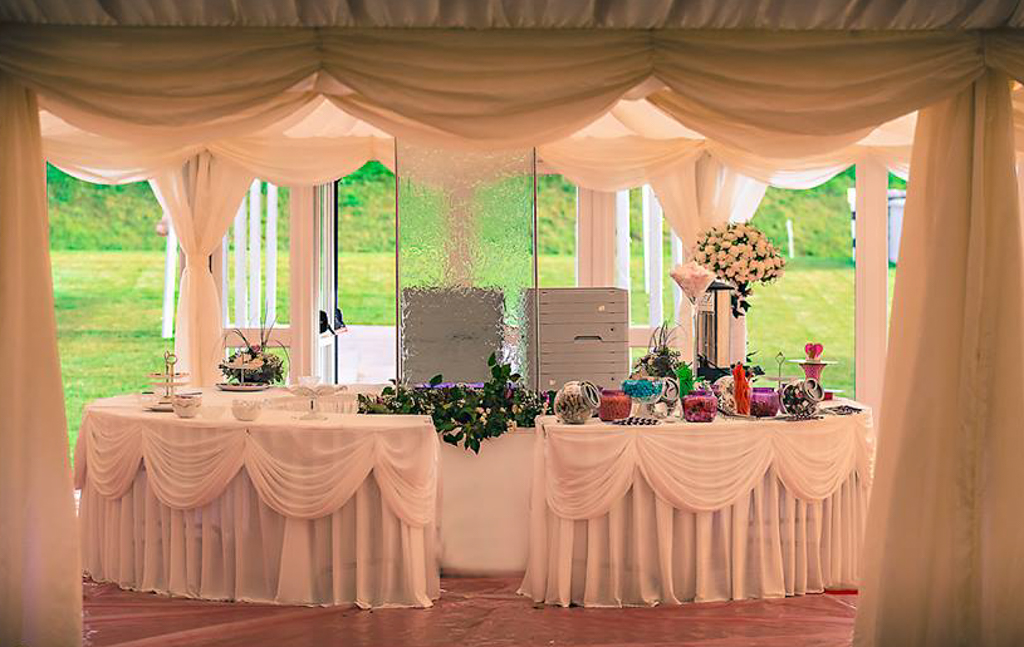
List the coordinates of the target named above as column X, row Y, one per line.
column 615, row 405
column 700, row 406
column 764, row 402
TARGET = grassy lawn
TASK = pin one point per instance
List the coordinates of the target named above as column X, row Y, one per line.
column 109, row 305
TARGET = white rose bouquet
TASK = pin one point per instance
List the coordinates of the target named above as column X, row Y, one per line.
column 742, row 255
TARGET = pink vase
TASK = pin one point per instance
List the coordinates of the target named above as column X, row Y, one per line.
column 812, row 370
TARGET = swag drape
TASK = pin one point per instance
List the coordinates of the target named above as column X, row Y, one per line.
column 784, row 95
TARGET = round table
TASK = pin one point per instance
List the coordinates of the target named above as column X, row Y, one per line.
column 727, row 510
column 281, row 510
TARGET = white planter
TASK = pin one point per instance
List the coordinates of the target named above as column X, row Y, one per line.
column 485, row 506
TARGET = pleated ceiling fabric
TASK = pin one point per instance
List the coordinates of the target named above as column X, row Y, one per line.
column 551, row 14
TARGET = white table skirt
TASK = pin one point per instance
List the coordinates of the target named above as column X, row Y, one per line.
column 634, row 516
column 341, row 511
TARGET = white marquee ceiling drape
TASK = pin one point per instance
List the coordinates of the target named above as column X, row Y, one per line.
column 767, row 96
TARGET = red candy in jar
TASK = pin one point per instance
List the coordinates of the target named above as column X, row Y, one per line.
column 615, row 405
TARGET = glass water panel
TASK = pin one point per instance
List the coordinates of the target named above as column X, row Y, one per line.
column 466, row 261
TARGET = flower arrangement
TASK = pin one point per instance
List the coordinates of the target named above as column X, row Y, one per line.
column 660, row 360
column 266, row 368
column 465, row 414
column 740, row 254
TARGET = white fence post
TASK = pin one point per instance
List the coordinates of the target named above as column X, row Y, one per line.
column 677, row 294
column 241, row 295
column 622, row 239
column 271, row 261
column 170, row 280
column 255, row 213
column 654, row 256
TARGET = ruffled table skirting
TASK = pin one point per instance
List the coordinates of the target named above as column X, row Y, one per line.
column 602, row 536
column 173, row 507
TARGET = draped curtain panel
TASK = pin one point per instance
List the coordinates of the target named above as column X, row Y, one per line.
column 201, row 198
column 949, row 572
column 40, row 582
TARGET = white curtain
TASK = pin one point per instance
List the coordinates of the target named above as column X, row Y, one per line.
column 40, row 585
column 707, row 194
column 201, row 198
column 945, row 542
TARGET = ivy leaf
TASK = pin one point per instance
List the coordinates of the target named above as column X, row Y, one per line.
column 437, row 379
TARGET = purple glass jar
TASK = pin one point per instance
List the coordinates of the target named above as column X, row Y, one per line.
column 764, row 402
column 700, row 406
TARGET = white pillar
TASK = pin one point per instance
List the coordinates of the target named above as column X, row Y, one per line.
column 595, row 238
column 645, row 218
column 622, row 239
column 653, row 256
column 271, row 238
column 170, row 280
column 303, row 251
column 255, row 213
column 677, row 294
column 241, row 295
column 872, row 270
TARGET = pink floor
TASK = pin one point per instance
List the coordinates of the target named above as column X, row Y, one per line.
column 473, row 612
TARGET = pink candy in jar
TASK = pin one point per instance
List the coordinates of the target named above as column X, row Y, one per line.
column 615, row 405
column 700, row 406
column 764, row 402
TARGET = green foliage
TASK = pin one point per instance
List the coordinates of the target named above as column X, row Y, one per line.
column 660, row 360
column 465, row 414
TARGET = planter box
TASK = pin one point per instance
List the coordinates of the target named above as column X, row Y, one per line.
column 485, row 506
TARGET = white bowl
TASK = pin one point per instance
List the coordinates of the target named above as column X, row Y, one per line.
column 186, row 406
column 246, row 410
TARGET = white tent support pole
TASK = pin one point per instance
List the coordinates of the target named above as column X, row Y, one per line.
column 170, row 279
column 271, row 238
column 677, row 259
column 595, row 238
column 872, row 284
column 220, row 275
column 241, row 294
column 304, row 253
column 654, row 256
column 255, row 217
column 622, row 239
column 646, row 194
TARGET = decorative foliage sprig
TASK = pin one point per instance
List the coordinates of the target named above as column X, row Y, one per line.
column 465, row 414
column 661, row 360
column 740, row 254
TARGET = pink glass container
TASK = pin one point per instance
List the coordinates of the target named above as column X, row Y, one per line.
column 812, row 370
column 615, row 405
column 700, row 406
column 764, row 402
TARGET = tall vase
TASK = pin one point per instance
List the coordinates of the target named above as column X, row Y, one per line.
column 696, row 337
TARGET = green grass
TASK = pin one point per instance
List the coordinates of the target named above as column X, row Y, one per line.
column 109, row 309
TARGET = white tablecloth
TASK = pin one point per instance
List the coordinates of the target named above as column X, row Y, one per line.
column 727, row 510
column 278, row 510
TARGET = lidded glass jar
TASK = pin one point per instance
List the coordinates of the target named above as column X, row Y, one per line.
column 615, row 405
column 700, row 406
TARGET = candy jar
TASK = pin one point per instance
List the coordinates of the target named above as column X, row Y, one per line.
column 615, row 405
column 700, row 406
column 764, row 402
column 576, row 402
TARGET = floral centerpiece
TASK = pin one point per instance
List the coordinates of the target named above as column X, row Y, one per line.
column 661, row 360
column 740, row 254
column 465, row 414
column 261, row 366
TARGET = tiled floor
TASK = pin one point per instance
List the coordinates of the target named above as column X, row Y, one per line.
column 471, row 612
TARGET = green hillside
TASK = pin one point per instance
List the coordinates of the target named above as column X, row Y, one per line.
column 86, row 216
